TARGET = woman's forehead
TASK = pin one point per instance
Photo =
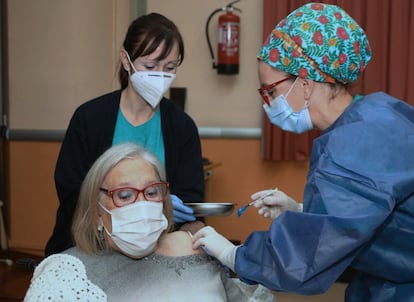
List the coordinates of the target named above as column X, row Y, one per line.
column 131, row 169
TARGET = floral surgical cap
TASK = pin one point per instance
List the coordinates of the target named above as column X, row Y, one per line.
column 320, row 42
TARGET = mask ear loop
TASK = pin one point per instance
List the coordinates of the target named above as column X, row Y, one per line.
column 291, row 87
column 306, row 105
column 130, row 62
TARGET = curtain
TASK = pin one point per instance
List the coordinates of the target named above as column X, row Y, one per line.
column 390, row 30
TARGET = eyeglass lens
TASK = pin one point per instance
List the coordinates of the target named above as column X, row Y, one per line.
column 154, row 192
column 266, row 92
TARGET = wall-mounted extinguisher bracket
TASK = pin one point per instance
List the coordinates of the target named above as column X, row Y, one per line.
column 228, row 40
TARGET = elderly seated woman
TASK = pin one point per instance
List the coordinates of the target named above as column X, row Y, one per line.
column 125, row 250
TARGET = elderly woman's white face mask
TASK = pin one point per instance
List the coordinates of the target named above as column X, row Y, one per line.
column 137, row 227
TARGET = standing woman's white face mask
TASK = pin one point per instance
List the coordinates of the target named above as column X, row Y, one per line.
column 150, row 77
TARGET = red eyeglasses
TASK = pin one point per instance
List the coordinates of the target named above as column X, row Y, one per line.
column 266, row 92
column 127, row 195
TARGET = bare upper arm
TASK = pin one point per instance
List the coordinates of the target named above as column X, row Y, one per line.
column 177, row 243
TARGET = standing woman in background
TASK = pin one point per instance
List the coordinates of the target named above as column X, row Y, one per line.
column 358, row 203
column 152, row 50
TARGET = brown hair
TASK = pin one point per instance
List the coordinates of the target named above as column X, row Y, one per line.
column 143, row 37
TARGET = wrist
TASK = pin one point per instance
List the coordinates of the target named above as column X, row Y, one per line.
column 228, row 256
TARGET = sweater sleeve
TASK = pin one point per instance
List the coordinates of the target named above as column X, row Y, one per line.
column 62, row 277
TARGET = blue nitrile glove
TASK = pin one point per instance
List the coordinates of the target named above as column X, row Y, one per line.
column 182, row 213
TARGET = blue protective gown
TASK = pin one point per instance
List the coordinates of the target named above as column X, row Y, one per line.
column 358, row 211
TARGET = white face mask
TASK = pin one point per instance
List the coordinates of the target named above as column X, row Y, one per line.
column 137, row 227
column 282, row 115
column 151, row 85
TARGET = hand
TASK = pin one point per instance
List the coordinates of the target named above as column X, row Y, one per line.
column 182, row 213
column 216, row 245
column 275, row 204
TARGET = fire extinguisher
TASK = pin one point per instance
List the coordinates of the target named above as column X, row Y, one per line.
column 228, row 49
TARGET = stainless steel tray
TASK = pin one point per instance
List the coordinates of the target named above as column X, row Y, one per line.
column 211, row 208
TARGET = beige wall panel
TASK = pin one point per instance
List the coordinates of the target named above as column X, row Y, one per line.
column 61, row 53
column 215, row 100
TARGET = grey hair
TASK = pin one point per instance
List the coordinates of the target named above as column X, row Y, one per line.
column 86, row 219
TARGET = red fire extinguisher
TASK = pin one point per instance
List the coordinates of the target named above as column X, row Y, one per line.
column 228, row 39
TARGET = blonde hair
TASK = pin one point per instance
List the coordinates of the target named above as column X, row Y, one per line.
column 86, row 218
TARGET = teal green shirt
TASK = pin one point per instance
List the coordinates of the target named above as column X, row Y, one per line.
column 148, row 135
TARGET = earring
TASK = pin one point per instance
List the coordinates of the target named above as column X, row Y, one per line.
column 101, row 235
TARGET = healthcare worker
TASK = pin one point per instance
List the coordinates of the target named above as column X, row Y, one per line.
column 358, row 207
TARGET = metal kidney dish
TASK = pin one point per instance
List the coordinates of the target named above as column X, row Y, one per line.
column 211, row 208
